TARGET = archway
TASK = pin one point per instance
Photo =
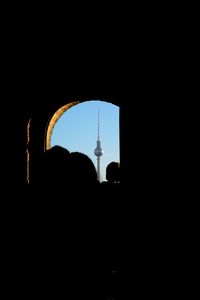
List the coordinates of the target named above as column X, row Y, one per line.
column 109, row 155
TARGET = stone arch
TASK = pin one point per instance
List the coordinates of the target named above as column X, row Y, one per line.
column 56, row 116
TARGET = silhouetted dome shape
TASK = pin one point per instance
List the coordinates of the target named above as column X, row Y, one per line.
column 113, row 172
column 81, row 169
column 52, row 167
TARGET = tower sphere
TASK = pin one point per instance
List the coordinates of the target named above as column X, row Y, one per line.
column 98, row 151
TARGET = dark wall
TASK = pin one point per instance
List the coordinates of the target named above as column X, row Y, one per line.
column 150, row 205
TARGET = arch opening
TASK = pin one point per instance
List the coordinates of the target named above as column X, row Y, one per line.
column 83, row 133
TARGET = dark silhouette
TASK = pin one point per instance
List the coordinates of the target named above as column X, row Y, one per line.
column 52, row 169
column 60, row 169
column 70, row 230
column 111, row 187
column 113, row 172
column 82, row 172
column 112, row 210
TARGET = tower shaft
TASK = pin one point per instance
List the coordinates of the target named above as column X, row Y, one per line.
column 98, row 168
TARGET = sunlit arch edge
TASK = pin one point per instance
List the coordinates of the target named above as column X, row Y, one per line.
column 56, row 116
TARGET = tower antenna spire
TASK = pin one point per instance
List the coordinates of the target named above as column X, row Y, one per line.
column 98, row 126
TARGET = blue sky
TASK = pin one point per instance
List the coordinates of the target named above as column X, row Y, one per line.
column 76, row 130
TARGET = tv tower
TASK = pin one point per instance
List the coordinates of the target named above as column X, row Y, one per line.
column 98, row 151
